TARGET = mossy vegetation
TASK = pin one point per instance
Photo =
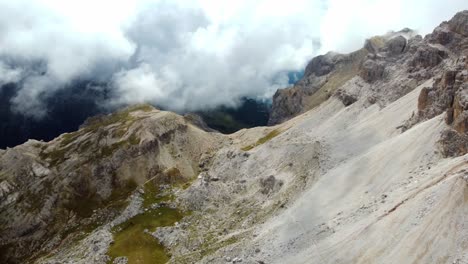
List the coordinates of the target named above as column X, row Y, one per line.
column 59, row 154
column 122, row 116
column 150, row 195
column 56, row 156
column 84, row 205
column 213, row 244
column 69, row 138
column 93, row 125
column 32, row 201
column 132, row 240
column 3, row 175
column 263, row 140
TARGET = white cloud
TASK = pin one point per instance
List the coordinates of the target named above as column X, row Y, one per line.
column 9, row 74
column 187, row 54
column 347, row 24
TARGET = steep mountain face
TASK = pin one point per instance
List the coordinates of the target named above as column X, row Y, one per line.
column 401, row 59
column 373, row 168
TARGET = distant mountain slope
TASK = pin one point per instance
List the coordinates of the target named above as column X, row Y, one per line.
column 69, row 108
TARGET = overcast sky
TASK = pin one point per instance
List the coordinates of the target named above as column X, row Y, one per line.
column 187, row 55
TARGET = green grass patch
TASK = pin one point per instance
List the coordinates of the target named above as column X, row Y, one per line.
column 133, row 139
column 139, row 247
column 84, row 205
column 215, row 246
column 3, row 175
column 107, row 151
column 150, row 196
column 262, row 140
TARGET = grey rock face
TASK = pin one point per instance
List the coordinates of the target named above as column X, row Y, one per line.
column 427, row 57
column 459, row 23
column 372, row 71
column 323, row 75
column 453, row 144
column 396, row 45
column 403, row 50
column 346, row 98
column 286, row 103
column 320, row 65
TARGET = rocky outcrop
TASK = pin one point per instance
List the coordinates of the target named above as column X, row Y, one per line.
column 459, row 23
column 287, row 103
column 321, row 65
column 448, row 95
column 453, row 144
column 48, row 189
column 346, row 98
column 452, row 34
column 326, row 73
column 323, row 76
column 372, row 70
column 395, row 63
column 449, row 91
column 396, row 45
column 426, row 57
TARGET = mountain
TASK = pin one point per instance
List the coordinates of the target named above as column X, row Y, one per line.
column 365, row 162
column 69, row 107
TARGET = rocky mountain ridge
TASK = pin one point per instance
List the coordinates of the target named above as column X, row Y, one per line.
column 367, row 163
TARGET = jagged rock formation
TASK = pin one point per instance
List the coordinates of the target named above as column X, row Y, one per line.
column 323, row 75
column 376, row 63
column 375, row 172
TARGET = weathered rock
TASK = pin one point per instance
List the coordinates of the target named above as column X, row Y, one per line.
column 396, row 45
column 345, row 97
column 427, row 57
column 374, row 44
column 372, row 71
column 320, row 65
column 323, row 76
column 286, row 103
column 270, row 184
column 441, row 36
column 453, row 144
column 120, row 260
column 459, row 23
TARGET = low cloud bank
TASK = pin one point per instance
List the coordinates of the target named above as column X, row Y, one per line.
column 186, row 56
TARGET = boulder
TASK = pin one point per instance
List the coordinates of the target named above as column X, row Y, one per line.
column 372, row 71
column 320, row 65
column 427, row 57
column 453, row 144
column 396, row 45
column 345, row 97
